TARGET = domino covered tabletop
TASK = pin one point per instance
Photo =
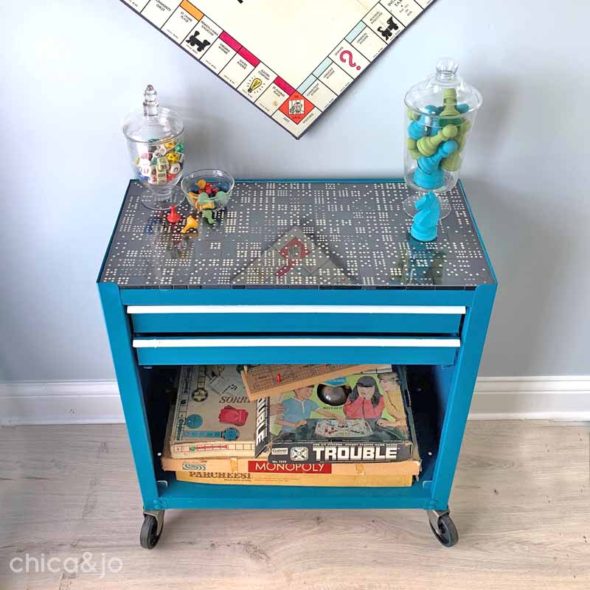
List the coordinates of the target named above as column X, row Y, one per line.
column 298, row 234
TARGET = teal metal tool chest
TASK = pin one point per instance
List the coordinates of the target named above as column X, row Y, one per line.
column 299, row 271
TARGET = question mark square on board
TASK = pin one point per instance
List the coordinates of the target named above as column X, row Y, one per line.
column 349, row 59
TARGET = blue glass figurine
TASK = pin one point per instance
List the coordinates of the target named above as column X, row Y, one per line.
column 425, row 224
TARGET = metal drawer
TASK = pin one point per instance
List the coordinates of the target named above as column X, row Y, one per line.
column 295, row 350
column 340, row 319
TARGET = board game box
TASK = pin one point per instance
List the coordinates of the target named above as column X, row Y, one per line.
column 259, row 471
column 271, row 380
column 369, row 421
column 317, row 479
column 213, row 416
column 261, row 465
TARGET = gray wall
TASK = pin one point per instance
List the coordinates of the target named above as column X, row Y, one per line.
column 70, row 71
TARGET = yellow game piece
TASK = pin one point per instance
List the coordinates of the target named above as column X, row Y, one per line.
column 427, row 146
column 191, row 223
column 202, row 183
column 452, row 163
column 413, row 149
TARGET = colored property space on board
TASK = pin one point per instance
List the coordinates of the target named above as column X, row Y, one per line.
column 291, row 59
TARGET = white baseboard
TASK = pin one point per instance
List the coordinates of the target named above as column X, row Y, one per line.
column 97, row 402
column 532, row 398
column 60, row 402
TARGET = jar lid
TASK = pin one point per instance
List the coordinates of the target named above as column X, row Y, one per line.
column 153, row 123
column 443, row 84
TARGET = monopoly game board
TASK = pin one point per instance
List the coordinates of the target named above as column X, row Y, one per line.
column 291, row 59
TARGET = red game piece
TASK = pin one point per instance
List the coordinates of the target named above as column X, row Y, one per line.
column 235, row 416
column 278, row 377
column 173, row 216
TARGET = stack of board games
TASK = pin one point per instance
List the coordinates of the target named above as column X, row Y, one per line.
column 216, row 435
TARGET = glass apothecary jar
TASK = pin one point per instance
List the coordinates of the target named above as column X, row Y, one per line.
column 155, row 139
column 440, row 115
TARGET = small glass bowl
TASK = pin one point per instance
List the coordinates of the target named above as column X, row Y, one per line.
column 218, row 179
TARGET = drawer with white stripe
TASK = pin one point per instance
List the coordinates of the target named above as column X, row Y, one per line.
column 340, row 319
column 295, row 350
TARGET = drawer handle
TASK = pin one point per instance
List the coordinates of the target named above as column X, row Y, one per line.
column 296, row 342
column 294, row 309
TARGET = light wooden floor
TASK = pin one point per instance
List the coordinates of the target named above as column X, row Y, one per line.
column 521, row 503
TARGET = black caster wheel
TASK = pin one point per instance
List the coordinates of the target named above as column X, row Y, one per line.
column 444, row 529
column 150, row 531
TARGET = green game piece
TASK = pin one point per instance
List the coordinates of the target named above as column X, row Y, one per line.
column 204, row 199
column 452, row 163
column 461, row 141
column 221, row 199
column 463, row 133
column 465, row 127
column 413, row 115
column 428, row 146
column 450, row 108
column 413, row 150
column 208, row 215
column 179, row 149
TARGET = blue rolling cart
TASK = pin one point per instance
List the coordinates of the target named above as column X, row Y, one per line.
column 299, row 271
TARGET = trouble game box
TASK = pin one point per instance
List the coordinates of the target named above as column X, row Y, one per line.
column 361, row 418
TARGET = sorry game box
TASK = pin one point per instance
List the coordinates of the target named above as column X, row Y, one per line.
column 359, row 418
column 213, row 415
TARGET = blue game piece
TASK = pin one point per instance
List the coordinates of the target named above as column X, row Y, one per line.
column 416, row 130
column 431, row 125
column 463, row 108
column 425, row 224
column 428, row 175
column 425, row 125
column 430, row 181
column 433, row 110
column 194, row 421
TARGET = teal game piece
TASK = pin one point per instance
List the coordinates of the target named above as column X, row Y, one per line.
column 429, row 175
column 416, row 130
column 432, row 163
column 424, row 124
column 429, row 181
column 425, row 224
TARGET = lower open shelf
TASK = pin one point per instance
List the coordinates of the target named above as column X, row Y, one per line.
column 428, row 389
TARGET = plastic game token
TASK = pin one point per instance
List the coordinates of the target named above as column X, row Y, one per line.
column 173, row 216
